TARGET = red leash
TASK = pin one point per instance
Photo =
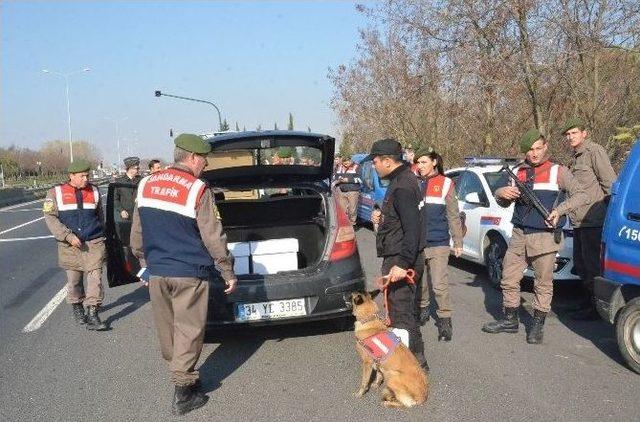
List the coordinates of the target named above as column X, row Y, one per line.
column 383, row 283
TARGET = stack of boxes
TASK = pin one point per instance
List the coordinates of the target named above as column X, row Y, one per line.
column 265, row 256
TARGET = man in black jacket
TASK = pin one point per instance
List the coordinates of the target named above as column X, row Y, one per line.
column 400, row 238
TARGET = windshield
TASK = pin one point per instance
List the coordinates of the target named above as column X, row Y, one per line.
column 495, row 180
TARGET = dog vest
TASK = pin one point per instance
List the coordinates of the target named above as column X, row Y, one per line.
column 380, row 346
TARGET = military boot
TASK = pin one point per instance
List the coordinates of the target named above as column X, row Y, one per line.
column 507, row 325
column 187, row 398
column 536, row 332
column 78, row 313
column 93, row 320
column 445, row 329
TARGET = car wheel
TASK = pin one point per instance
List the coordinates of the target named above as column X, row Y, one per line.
column 493, row 256
column 628, row 333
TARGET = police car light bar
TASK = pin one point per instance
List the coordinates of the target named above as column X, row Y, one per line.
column 487, row 161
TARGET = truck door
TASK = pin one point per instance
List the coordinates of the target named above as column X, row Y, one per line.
column 122, row 266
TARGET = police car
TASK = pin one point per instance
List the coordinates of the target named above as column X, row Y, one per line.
column 296, row 256
column 488, row 226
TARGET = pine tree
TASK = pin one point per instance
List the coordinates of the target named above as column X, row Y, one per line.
column 275, row 126
column 290, row 126
column 225, row 126
column 237, row 127
column 259, row 128
column 309, row 129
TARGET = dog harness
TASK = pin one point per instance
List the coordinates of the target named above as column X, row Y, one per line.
column 380, row 346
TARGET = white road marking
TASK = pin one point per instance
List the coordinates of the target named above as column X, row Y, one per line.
column 16, row 239
column 23, row 210
column 10, row 207
column 21, row 225
column 45, row 312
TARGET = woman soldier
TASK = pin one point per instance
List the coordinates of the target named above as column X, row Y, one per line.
column 440, row 216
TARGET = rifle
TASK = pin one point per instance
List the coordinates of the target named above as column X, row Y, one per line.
column 531, row 198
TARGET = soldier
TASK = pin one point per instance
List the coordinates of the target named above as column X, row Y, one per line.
column 592, row 169
column 123, row 199
column 440, row 216
column 177, row 235
column 532, row 240
column 347, row 180
column 399, row 239
column 73, row 214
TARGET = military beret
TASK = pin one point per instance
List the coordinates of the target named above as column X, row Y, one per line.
column 422, row 152
column 528, row 139
column 192, row 143
column 79, row 166
column 131, row 162
column 285, row 152
column 571, row 123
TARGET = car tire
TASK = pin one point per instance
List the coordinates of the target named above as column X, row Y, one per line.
column 493, row 256
column 628, row 333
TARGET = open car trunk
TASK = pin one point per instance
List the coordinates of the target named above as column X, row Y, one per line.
column 293, row 214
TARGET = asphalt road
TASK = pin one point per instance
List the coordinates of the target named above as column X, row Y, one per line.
column 62, row 372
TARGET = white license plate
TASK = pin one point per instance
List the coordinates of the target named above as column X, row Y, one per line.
column 270, row 310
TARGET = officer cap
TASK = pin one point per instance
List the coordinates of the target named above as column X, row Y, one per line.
column 571, row 123
column 192, row 143
column 131, row 162
column 528, row 139
column 388, row 146
column 79, row 166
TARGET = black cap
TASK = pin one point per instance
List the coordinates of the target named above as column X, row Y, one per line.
column 387, row 146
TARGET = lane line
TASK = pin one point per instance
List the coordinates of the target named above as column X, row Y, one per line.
column 21, row 225
column 24, row 210
column 45, row 312
column 16, row 239
column 10, row 207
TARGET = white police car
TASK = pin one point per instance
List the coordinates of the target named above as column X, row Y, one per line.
column 488, row 225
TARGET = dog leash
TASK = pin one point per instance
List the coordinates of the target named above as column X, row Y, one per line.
column 383, row 283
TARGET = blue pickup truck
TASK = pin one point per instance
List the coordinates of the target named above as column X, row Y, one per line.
column 618, row 290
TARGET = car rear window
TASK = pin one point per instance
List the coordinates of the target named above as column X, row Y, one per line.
column 278, row 156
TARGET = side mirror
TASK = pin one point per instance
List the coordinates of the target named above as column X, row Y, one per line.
column 473, row 198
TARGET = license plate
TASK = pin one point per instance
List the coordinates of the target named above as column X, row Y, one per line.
column 274, row 309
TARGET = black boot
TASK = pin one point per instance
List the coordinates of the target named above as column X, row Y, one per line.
column 187, row 398
column 507, row 325
column 445, row 329
column 78, row 313
column 424, row 315
column 422, row 361
column 93, row 320
column 536, row 331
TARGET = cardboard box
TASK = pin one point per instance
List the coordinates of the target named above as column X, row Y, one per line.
column 274, row 255
column 241, row 252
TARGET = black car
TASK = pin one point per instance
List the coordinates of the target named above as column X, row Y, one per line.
column 271, row 187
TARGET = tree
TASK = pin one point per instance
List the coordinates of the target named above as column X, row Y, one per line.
column 275, row 126
column 309, row 129
column 237, row 127
column 290, row 125
column 225, row 126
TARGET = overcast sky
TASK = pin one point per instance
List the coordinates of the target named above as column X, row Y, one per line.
column 257, row 61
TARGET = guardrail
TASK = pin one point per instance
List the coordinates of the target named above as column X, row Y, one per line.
column 11, row 196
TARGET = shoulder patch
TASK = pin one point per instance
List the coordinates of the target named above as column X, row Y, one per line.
column 48, row 206
column 216, row 212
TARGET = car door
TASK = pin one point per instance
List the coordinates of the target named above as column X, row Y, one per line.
column 122, row 266
column 473, row 202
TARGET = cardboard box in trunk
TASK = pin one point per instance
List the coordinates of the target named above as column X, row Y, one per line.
column 275, row 255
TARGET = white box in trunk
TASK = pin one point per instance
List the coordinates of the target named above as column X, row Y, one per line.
column 241, row 252
column 274, row 255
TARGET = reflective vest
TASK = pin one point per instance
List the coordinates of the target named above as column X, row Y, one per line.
column 434, row 210
column 351, row 173
column 78, row 210
column 543, row 180
column 167, row 202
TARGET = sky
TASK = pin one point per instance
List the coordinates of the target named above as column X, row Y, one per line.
column 257, row 61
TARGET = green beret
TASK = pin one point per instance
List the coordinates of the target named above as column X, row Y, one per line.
column 285, row 152
column 528, row 139
column 192, row 143
column 422, row 152
column 571, row 123
column 79, row 166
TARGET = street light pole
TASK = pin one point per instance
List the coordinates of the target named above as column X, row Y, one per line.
column 117, row 122
column 161, row 94
column 66, row 80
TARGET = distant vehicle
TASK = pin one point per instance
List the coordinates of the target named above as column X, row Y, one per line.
column 488, row 225
column 618, row 290
column 296, row 249
column 373, row 188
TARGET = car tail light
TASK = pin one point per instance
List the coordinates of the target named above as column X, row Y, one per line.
column 345, row 243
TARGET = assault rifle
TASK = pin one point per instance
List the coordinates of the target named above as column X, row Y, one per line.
column 530, row 198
